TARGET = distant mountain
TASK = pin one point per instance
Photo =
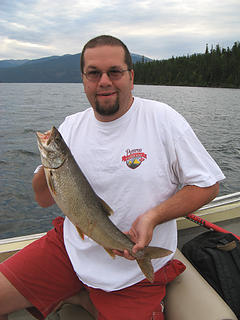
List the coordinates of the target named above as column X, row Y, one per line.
column 139, row 58
column 54, row 69
column 11, row 63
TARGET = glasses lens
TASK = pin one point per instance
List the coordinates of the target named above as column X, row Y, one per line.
column 115, row 74
column 93, row 75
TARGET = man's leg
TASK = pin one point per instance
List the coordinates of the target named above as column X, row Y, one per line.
column 40, row 277
column 140, row 301
column 10, row 299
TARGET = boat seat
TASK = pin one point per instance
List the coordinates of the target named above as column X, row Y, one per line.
column 190, row 296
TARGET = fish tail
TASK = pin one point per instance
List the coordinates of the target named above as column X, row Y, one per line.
column 145, row 262
column 156, row 252
column 147, row 268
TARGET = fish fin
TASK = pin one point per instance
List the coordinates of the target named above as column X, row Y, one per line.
column 110, row 252
column 156, row 252
column 80, row 232
column 106, row 207
column 50, row 182
column 147, row 268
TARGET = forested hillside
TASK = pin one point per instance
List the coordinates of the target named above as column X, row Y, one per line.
column 217, row 67
column 53, row 69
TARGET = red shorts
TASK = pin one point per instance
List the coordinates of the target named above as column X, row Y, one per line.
column 43, row 274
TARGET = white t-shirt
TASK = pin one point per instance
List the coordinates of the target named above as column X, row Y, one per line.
column 133, row 163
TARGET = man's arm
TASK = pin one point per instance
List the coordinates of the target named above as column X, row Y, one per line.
column 185, row 201
column 40, row 188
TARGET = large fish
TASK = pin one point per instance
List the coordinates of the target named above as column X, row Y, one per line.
column 77, row 200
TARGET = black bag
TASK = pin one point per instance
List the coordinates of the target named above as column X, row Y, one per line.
column 216, row 256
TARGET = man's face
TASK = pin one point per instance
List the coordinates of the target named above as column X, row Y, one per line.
column 110, row 99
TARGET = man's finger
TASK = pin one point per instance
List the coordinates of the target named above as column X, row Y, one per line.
column 118, row 253
column 124, row 254
column 128, row 256
column 137, row 247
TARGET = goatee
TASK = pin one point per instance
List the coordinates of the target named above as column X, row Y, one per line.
column 108, row 110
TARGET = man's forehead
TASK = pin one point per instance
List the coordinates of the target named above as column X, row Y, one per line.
column 106, row 52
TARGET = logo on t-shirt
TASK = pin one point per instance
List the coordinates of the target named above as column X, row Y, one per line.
column 134, row 158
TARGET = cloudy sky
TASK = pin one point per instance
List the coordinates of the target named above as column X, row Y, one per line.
column 158, row 29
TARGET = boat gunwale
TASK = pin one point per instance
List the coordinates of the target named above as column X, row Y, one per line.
column 227, row 203
column 233, row 197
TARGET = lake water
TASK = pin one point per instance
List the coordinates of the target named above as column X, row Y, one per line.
column 214, row 114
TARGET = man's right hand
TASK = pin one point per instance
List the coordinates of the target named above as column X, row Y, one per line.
column 40, row 188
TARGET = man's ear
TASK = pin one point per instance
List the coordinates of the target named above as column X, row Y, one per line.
column 132, row 77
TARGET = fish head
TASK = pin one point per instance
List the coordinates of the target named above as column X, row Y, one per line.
column 52, row 147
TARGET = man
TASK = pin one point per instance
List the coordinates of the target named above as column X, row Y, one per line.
column 143, row 159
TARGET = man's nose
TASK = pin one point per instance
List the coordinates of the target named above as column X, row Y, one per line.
column 104, row 79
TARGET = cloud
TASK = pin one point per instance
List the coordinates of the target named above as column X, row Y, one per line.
column 159, row 29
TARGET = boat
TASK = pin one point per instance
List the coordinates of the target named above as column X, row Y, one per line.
column 189, row 296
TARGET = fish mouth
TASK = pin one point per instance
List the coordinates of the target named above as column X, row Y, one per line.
column 45, row 138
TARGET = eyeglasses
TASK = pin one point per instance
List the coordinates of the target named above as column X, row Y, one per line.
column 113, row 74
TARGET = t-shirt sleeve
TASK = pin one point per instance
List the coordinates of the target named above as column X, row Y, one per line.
column 193, row 164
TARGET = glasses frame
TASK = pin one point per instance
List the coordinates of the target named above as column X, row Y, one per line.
column 86, row 74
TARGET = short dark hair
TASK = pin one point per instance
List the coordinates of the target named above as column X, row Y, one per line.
column 105, row 40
